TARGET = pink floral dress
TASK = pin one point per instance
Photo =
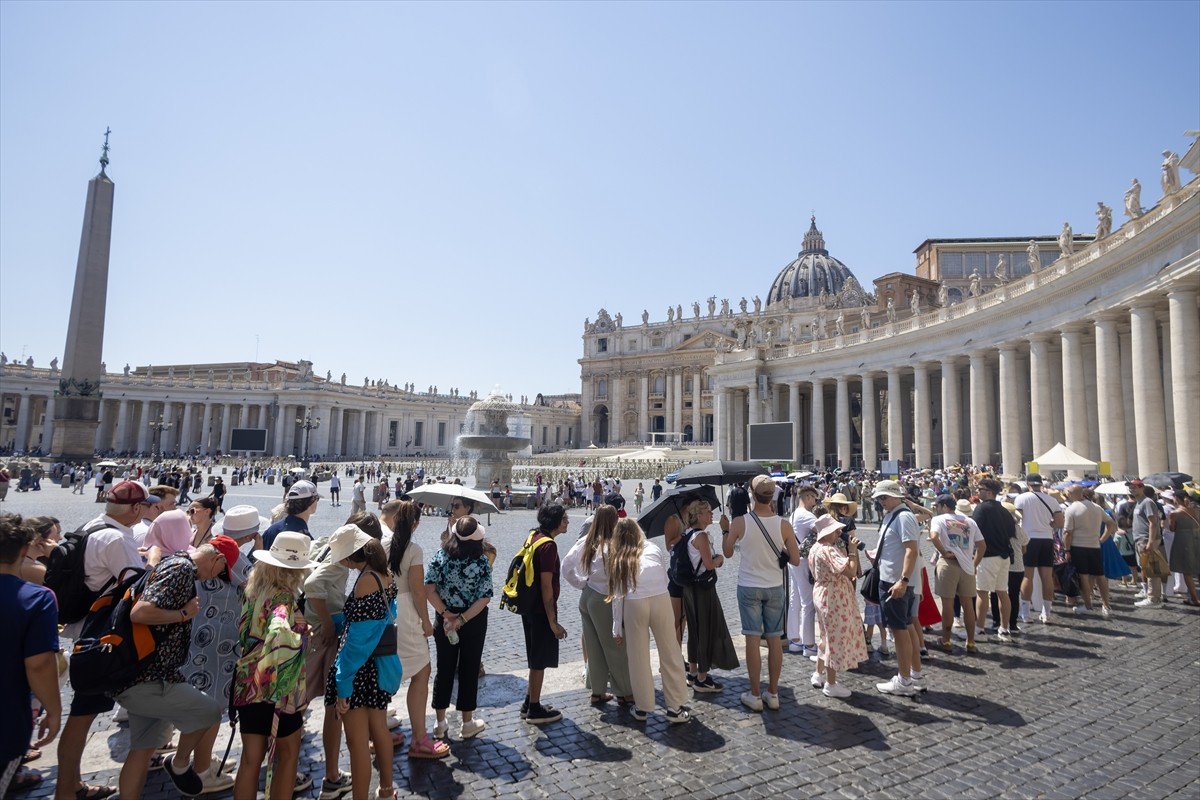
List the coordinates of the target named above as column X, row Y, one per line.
column 842, row 643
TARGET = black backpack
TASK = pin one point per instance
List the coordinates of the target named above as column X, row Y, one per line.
column 113, row 650
column 522, row 592
column 680, row 570
column 65, row 575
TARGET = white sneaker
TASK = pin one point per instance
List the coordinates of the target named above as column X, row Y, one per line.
column 818, row 680
column 1105, row 612
column 216, row 782
column 120, row 715
column 918, row 682
column 440, row 729
column 752, row 701
column 1082, row 610
column 771, row 700
column 1003, row 635
column 836, row 690
column 795, row 647
column 393, row 721
column 1141, row 593
column 1045, row 617
column 897, row 686
column 959, row 633
column 1148, row 603
column 472, row 728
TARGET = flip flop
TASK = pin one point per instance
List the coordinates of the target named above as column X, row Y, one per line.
column 32, row 754
column 89, row 792
column 428, row 748
column 601, row 699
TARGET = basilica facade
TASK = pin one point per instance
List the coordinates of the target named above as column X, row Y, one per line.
column 991, row 352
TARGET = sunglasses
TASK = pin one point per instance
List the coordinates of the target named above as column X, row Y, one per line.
column 457, row 505
column 191, row 511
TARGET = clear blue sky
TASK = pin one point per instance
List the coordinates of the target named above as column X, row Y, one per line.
column 442, row 192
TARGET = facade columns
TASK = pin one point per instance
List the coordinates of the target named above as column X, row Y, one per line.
column 1075, row 395
column 981, row 422
column 895, row 431
column 794, row 416
column 643, row 434
column 951, row 414
column 1110, row 404
column 668, row 403
column 143, row 433
column 1149, row 415
column 753, row 406
column 1040, row 394
column 870, row 428
column 1185, row 387
column 844, row 441
column 922, row 418
column 697, row 402
column 818, row 422
column 586, row 434
column 616, row 416
column 1010, row 411
column 677, row 377
column 724, row 445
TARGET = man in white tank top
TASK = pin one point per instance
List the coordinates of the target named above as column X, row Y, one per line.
column 761, row 593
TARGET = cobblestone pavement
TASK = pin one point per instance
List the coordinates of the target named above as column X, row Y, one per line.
column 1085, row 707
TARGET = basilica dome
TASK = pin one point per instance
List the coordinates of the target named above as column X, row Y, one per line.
column 814, row 271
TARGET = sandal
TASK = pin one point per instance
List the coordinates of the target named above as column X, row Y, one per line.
column 428, row 748
column 389, row 791
column 26, row 779
column 397, row 741
column 32, row 754
column 89, row 792
column 601, row 699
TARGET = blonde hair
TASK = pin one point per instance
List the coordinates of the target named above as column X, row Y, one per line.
column 693, row 510
column 623, row 561
column 604, row 524
column 267, row 579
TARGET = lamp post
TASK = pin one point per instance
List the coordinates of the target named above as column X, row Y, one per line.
column 309, row 424
column 158, row 426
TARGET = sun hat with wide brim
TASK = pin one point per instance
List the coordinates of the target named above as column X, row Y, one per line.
column 289, row 551
column 826, row 526
column 840, row 499
column 346, row 541
column 889, row 489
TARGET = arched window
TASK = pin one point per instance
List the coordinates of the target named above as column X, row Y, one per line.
column 660, row 384
column 602, row 388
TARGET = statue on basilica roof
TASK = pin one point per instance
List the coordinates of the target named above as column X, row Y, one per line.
column 1133, row 200
column 1103, row 220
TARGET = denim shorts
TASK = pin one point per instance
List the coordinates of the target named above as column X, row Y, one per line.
column 897, row 614
column 762, row 610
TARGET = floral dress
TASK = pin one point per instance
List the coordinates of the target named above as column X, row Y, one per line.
column 842, row 643
column 271, row 668
column 369, row 681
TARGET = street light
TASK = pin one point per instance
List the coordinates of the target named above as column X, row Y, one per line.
column 309, row 424
column 158, row 426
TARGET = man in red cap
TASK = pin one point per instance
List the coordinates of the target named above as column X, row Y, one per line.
column 109, row 548
column 160, row 698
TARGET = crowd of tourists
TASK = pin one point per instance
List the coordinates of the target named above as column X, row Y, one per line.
column 259, row 620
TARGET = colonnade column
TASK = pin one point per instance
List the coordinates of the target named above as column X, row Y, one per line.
column 1040, row 395
column 951, row 414
column 103, row 432
column 227, row 427
column 334, row 424
column 585, row 413
column 281, row 416
column 205, row 426
column 48, row 425
column 697, row 402
column 818, row 422
column 753, row 406
column 1110, row 406
column 1185, row 387
column 843, row 422
column 981, row 422
column 360, row 439
column 922, row 418
column 870, row 430
column 1010, row 411
column 185, row 429
column 123, row 439
column 1074, row 396
column 166, row 437
column 895, row 431
column 724, row 443
column 794, row 416
column 1149, row 416
column 24, row 415
column 143, row 434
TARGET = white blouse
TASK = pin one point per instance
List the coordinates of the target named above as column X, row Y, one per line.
column 652, row 581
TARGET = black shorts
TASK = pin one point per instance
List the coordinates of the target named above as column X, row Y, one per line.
column 84, row 705
column 541, row 645
column 674, row 589
column 1087, row 560
column 1040, row 553
column 896, row 614
column 256, row 720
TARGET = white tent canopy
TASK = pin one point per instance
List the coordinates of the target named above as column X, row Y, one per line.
column 1060, row 457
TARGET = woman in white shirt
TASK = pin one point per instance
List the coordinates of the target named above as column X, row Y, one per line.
column 637, row 581
column 583, row 567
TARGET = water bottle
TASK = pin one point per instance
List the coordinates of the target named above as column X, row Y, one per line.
column 451, row 633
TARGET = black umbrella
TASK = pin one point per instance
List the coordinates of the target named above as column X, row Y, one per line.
column 654, row 516
column 719, row 472
column 614, row 499
column 1167, row 480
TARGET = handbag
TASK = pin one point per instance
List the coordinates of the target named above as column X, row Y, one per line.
column 869, row 588
column 1154, row 563
column 387, row 638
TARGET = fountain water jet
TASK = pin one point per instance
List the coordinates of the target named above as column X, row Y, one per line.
column 486, row 433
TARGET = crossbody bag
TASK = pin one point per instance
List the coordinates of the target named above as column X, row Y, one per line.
column 869, row 588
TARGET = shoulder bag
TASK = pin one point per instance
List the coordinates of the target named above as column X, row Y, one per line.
column 869, row 588
column 387, row 639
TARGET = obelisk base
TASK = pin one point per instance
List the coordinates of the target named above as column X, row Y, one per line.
column 75, row 422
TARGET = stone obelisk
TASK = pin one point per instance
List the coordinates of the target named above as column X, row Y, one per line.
column 77, row 405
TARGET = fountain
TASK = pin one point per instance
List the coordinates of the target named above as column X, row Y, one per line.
column 487, row 434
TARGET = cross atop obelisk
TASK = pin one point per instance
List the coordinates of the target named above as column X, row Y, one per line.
column 77, row 405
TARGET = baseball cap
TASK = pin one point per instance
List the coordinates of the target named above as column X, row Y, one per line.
column 1034, row 478
column 762, row 484
column 888, row 489
column 127, row 493
column 228, row 548
column 301, row 490
column 945, row 500
column 1135, row 482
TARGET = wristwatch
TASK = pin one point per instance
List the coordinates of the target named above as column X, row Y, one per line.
column 903, row 580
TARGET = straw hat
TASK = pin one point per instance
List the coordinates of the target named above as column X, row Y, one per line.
column 841, row 499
